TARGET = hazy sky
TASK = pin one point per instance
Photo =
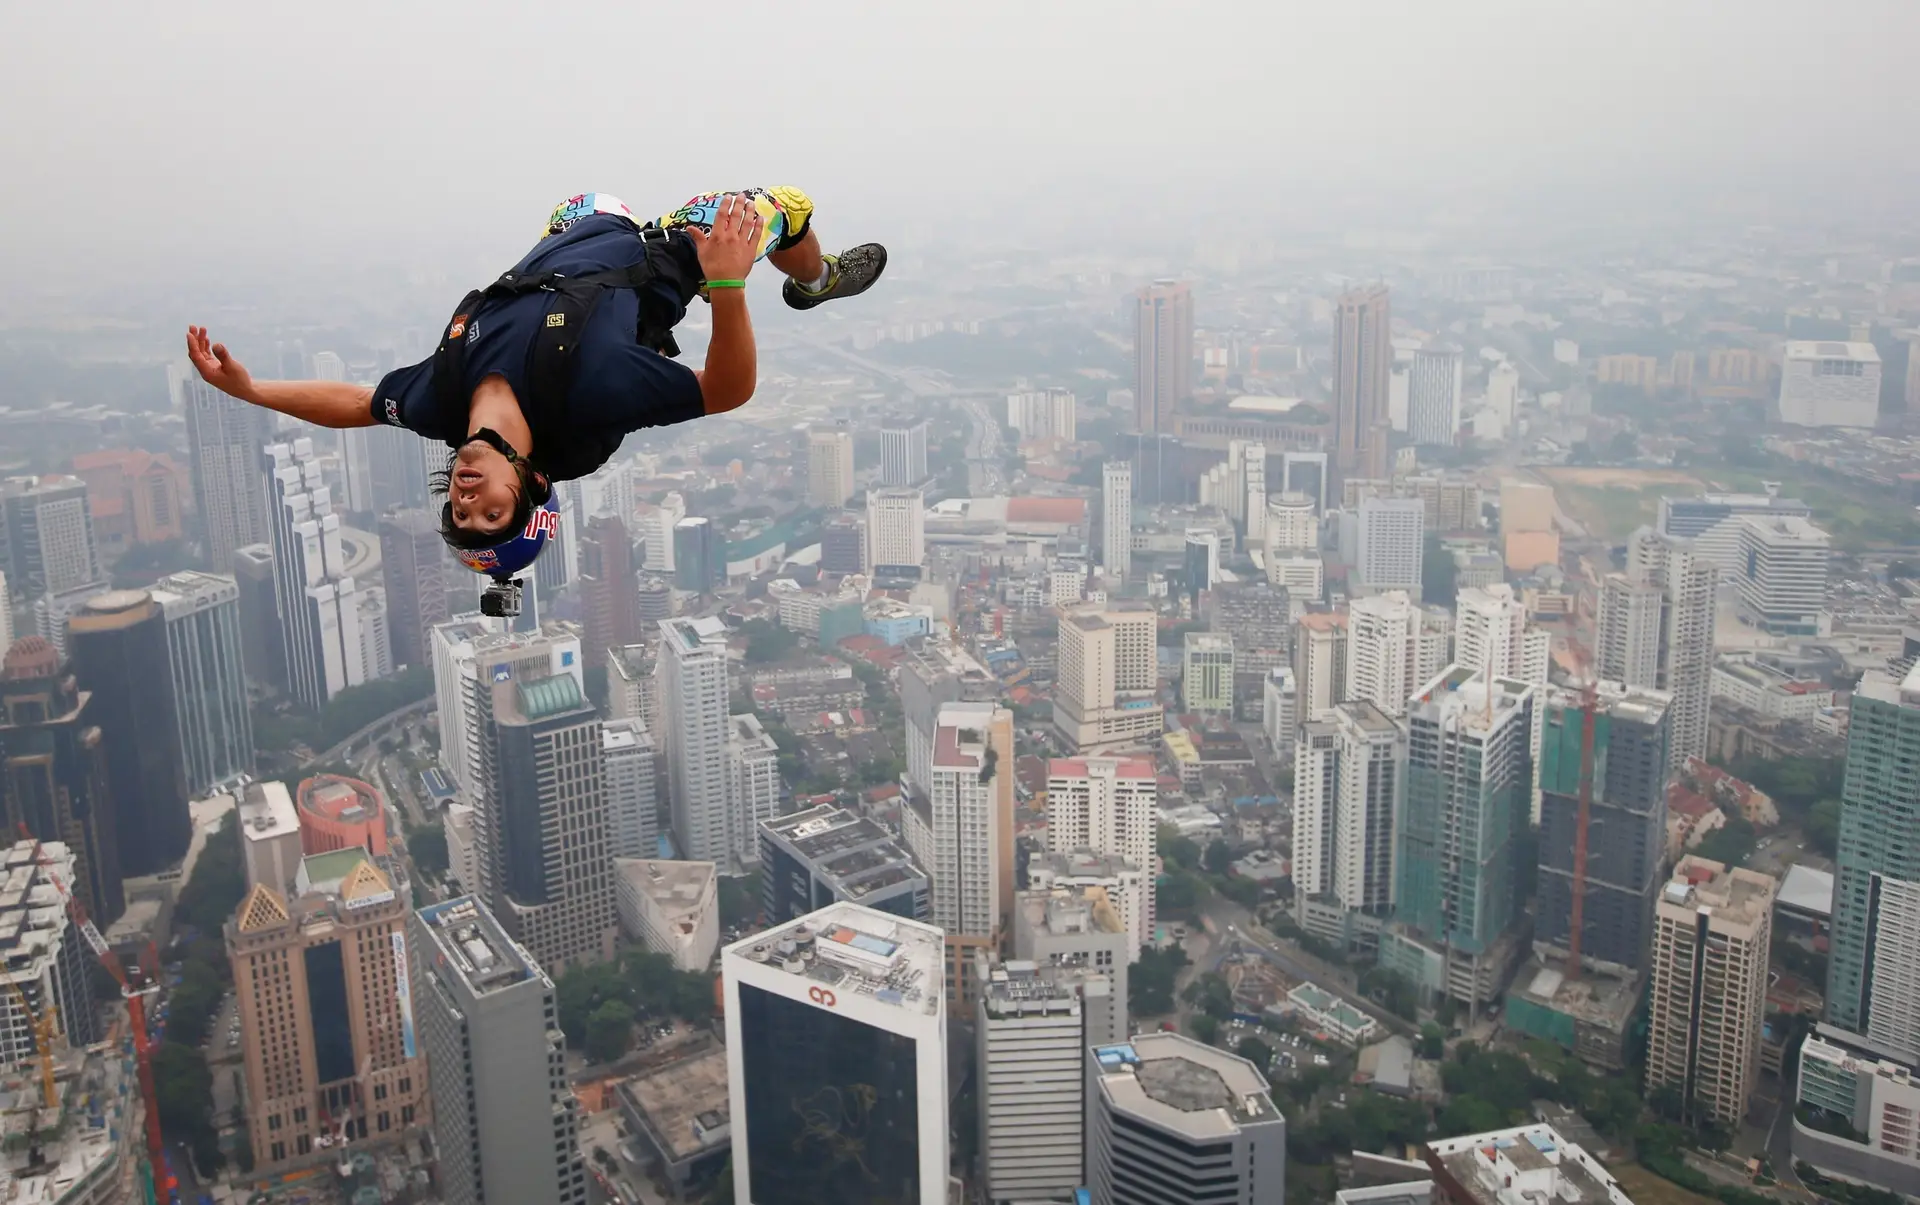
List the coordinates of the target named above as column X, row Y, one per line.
column 222, row 138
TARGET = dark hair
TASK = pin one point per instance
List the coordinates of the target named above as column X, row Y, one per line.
column 533, row 492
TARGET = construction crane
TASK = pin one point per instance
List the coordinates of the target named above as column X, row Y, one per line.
column 1589, row 706
column 42, row 1023
column 133, row 989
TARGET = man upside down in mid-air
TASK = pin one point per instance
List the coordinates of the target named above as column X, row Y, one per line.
column 540, row 375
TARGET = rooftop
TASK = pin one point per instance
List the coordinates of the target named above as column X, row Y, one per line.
column 1063, row 911
column 1083, row 767
column 1526, row 1165
column 1600, row 996
column 266, row 811
column 1208, row 642
column 33, row 917
column 677, row 887
column 1829, row 349
column 1460, row 694
column 337, row 797
column 684, row 1104
column 851, row 852
column 1785, row 528
column 1807, row 890
column 1017, row 988
column 1183, row 1086
column 474, row 947
column 1738, row 896
column 854, row 949
column 1081, row 864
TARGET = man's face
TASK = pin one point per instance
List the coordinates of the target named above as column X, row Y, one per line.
column 484, row 490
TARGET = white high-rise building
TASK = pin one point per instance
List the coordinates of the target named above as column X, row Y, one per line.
column 6, row 614
column 753, row 778
column 1349, row 779
column 903, row 454
column 1714, row 521
column 1783, row 574
column 1433, row 397
column 1043, row 415
column 1829, row 384
column 694, row 731
column 829, row 467
column 318, row 604
column 1503, row 393
column 1280, row 710
column 1116, row 519
column 1319, row 663
column 1246, row 472
column 1109, row 805
column 376, row 640
column 1108, row 671
column 1292, row 525
column 1032, row 1041
column 1303, row 574
column 837, row 1034
column 1391, row 533
column 1491, row 634
column 225, row 437
column 962, row 832
column 896, row 527
column 1392, row 647
column 633, row 805
column 1655, row 629
column 656, row 531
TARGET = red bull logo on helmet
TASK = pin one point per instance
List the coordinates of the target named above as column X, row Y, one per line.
column 543, row 521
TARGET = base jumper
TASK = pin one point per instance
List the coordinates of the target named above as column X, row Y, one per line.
column 540, row 375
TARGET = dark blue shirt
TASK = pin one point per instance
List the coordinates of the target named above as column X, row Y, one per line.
column 618, row 385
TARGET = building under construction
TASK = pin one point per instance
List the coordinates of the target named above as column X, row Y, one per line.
column 1591, row 1014
column 1609, row 875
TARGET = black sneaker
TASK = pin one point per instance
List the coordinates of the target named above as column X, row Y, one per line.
column 849, row 274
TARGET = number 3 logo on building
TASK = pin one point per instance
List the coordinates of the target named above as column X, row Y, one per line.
column 820, row 995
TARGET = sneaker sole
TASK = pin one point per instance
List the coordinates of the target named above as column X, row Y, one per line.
column 858, row 267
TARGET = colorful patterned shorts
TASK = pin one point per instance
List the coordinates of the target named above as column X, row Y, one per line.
column 787, row 212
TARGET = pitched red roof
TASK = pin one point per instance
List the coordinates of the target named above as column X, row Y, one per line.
column 1046, row 510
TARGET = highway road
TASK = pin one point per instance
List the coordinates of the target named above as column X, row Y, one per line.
column 1235, row 925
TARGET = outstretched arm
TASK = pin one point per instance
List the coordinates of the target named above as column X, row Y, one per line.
column 727, row 254
column 322, row 403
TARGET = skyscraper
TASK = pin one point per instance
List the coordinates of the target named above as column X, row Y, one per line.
column 1626, row 826
column 1392, row 648
column 903, row 453
column 633, row 806
column 1708, row 987
column 120, row 656
column 1783, row 574
column 1349, row 780
column 843, row 545
column 1109, row 806
column 753, row 785
column 1714, row 521
column 1170, row 1118
column 202, row 613
column 419, row 575
column 838, row 1015
column 505, row 1121
column 1162, row 355
column 53, row 771
column 1032, row 1041
column 263, row 652
column 316, row 600
column 936, row 672
column 693, row 731
column 225, row 437
column 325, row 1016
column 699, row 555
column 49, row 538
column 896, row 527
column 1320, row 663
column 6, row 612
column 1043, row 414
column 1116, row 520
column 48, row 963
column 656, row 531
column 1467, row 807
column 829, row 467
column 1206, row 678
column 1433, row 397
column 540, row 802
column 1108, row 671
column 608, row 599
column 1829, row 384
column 1492, row 636
column 1362, row 378
column 1874, row 966
column 825, row 855
column 1655, row 629
column 962, row 832
column 1392, row 533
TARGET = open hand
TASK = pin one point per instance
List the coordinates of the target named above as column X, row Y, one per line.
column 217, row 366
column 727, row 251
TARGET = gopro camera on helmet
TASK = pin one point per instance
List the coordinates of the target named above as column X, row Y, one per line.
column 501, row 599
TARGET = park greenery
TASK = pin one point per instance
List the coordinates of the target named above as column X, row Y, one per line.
column 219, row 881
column 599, row 1004
column 427, row 847
column 1150, row 981
column 768, row 642
column 278, row 729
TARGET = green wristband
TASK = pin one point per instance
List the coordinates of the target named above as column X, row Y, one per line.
column 726, row 284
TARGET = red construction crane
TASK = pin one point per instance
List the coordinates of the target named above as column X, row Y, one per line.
column 1589, row 705
column 133, row 989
